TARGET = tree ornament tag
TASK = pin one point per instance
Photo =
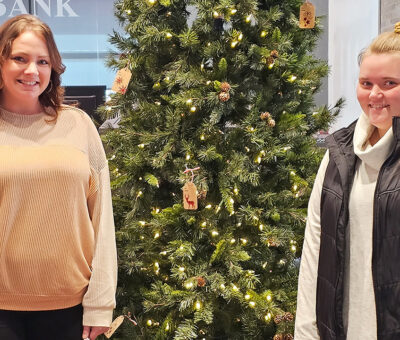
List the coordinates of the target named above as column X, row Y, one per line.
column 307, row 15
column 114, row 326
column 190, row 196
column 121, row 80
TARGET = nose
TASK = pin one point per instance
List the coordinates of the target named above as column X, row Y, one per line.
column 375, row 92
column 31, row 68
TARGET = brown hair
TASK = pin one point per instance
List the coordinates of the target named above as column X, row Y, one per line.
column 387, row 42
column 53, row 95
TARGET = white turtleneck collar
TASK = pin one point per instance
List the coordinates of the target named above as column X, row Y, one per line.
column 373, row 156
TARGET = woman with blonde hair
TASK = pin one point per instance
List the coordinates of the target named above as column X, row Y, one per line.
column 57, row 242
column 349, row 284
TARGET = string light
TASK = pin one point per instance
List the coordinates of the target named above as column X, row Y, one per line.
column 247, row 297
column 167, row 327
column 240, row 37
column 128, row 11
column 293, row 248
column 270, row 66
column 208, row 82
column 252, row 304
column 198, row 305
column 222, row 286
column 157, row 235
column 202, row 66
column 204, row 224
column 187, row 157
column 292, row 78
column 233, row 11
column 157, row 103
column 269, row 298
column 244, row 241
column 142, row 223
column 231, row 200
column 214, row 233
column 234, row 287
column 261, row 227
column 193, row 109
column 263, row 34
column 163, row 253
column 239, row 224
column 234, row 43
column 189, row 101
column 248, row 18
column 140, row 193
column 189, row 285
column 149, row 323
column 233, row 240
column 202, row 137
column 216, row 14
column 208, row 206
column 168, row 35
column 268, row 317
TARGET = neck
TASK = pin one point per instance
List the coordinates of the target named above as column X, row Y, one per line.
column 21, row 106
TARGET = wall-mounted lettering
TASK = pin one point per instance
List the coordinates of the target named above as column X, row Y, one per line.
column 53, row 8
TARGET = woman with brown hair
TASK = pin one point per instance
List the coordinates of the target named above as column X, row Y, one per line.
column 57, row 242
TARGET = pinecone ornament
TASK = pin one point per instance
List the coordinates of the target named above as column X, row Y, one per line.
column 270, row 60
column 271, row 122
column 288, row 317
column 278, row 337
column 225, row 87
column 274, row 54
column 201, row 282
column 288, row 337
column 278, row 319
column 265, row 115
column 223, row 96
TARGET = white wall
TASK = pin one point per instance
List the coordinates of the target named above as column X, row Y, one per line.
column 352, row 26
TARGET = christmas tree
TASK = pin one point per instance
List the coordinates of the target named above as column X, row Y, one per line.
column 212, row 165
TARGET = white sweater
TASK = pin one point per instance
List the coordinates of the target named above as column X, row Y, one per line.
column 359, row 301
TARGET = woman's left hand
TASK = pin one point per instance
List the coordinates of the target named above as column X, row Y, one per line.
column 92, row 332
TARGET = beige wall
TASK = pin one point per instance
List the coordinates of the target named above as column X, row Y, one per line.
column 390, row 14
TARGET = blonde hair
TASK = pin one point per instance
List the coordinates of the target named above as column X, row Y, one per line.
column 53, row 95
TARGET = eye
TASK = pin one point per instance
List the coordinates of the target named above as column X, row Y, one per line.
column 365, row 83
column 390, row 83
column 18, row 58
column 43, row 62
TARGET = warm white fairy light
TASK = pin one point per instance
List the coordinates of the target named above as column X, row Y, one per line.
column 231, row 200
column 268, row 317
column 157, row 103
column 204, row 224
column 157, row 235
column 239, row 224
column 233, row 240
column 233, row 11
column 128, row 11
column 202, row 137
column 163, row 253
column 108, row 108
column 252, row 304
column 240, row 37
column 142, row 223
column 263, row 34
column 222, row 286
column 292, row 78
column 201, row 66
column 208, row 206
column 141, row 146
column 244, row 241
column 216, row 14
column 149, row 322
column 248, row 18
column 189, row 101
column 247, row 297
column 187, row 157
column 235, row 288
column 236, row 191
column 140, row 193
column 269, row 297
column 286, row 148
column 181, row 269
column 189, row 285
column 234, row 43
column 197, row 305
column 168, row 35
column 193, row 109
column 265, row 265
column 295, row 187
column 258, row 159
column 214, row 233
column 218, row 209
column 261, row 227
column 271, row 65
column 252, row 129
column 300, row 92
column 208, row 82
column 167, row 78
column 293, row 248
column 167, row 327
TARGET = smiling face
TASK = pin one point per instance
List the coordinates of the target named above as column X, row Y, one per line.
column 378, row 89
column 25, row 74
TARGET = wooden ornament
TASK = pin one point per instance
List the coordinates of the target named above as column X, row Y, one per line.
column 121, row 80
column 307, row 15
column 190, row 196
column 114, row 326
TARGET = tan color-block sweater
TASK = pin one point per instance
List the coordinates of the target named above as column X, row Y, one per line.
column 57, row 239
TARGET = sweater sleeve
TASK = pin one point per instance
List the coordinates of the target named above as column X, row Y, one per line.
column 306, row 321
column 99, row 300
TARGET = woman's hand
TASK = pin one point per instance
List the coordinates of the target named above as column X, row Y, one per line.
column 92, row 332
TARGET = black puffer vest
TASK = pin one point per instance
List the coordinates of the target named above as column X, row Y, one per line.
column 386, row 238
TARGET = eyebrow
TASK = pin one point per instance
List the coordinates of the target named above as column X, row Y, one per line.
column 23, row 53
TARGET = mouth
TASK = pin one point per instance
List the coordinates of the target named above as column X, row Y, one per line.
column 29, row 83
column 378, row 106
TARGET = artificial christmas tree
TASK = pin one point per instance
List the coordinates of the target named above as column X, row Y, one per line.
column 220, row 102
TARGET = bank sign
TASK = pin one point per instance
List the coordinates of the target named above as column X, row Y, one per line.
column 65, row 16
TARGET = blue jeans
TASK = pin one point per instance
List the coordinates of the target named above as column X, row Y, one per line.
column 60, row 324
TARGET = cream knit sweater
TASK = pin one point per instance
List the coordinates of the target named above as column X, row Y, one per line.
column 359, row 300
column 57, row 242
